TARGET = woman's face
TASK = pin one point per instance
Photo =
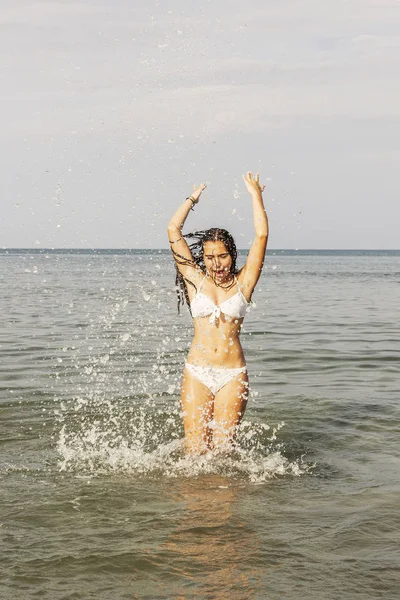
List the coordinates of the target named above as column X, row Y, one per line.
column 217, row 260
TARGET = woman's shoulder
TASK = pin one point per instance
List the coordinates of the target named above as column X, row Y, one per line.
column 245, row 285
column 195, row 276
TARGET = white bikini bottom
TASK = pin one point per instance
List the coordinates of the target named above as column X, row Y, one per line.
column 214, row 378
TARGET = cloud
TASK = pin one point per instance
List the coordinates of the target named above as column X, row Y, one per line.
column 40, row 13
column 209, row 109
column 86, row 81
column 85, row 67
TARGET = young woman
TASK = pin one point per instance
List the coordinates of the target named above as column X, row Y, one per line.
column 215, row 383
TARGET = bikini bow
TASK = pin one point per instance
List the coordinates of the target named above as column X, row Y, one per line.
column 215, row 315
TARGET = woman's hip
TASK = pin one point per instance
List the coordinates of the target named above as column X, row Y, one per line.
column 216, row 377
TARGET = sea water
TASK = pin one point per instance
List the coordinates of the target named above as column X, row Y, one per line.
column 97, row 497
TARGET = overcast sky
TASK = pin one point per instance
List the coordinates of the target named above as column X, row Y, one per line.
column 113, row 109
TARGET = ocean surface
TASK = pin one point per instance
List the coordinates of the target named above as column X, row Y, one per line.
column 97, row 498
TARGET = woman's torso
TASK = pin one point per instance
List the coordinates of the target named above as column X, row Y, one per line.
column 218, row 317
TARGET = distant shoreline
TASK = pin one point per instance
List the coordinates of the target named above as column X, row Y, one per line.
column 148, row 251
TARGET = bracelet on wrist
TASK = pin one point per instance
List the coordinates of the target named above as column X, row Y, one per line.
column 193, row 201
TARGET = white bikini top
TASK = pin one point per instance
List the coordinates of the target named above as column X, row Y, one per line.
column 202, row 306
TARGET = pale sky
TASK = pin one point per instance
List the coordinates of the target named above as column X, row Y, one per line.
column 113, row 109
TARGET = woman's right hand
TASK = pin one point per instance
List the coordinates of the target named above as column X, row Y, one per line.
column 197, row 191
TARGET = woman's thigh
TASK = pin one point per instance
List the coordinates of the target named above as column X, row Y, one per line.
column 229, row 406
column 197, row 412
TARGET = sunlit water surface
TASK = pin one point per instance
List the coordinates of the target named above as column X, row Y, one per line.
column 97, row 497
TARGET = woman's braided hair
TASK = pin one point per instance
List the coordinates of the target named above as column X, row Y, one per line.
column 196, row 242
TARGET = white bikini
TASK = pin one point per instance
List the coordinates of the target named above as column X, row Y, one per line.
column 235, row 308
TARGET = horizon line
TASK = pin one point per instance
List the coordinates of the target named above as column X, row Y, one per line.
column 93, row 249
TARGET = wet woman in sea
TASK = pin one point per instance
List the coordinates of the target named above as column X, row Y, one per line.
column 215, row 383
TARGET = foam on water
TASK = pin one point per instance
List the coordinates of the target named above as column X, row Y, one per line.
column 97, row 437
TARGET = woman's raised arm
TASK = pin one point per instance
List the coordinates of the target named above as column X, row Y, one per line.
column 251, row 272
column 179, row 247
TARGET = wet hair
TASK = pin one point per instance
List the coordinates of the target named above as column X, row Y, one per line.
column 196, row 241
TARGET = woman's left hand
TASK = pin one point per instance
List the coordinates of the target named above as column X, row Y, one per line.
column 253, row 184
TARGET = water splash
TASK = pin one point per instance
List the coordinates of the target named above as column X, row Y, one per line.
column 98, row 437
column 124, row 416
